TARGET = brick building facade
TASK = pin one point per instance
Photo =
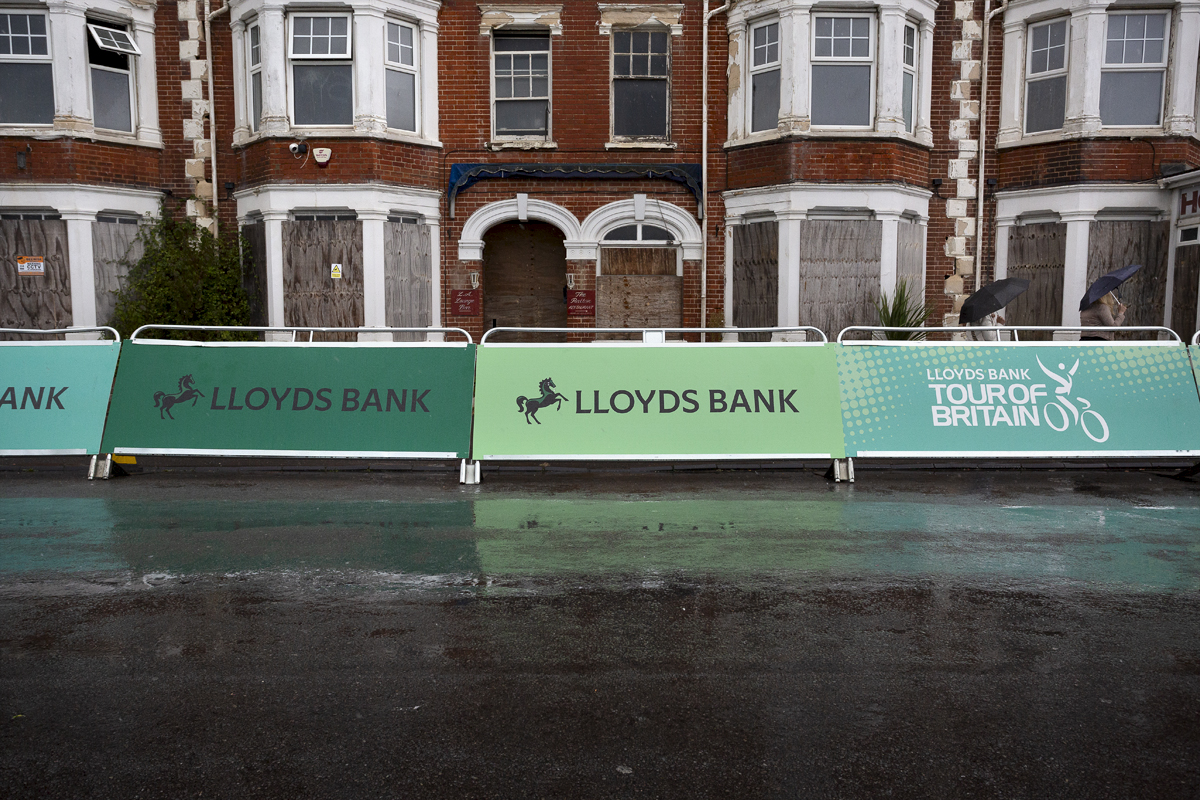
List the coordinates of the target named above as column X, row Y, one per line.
column 473, row 164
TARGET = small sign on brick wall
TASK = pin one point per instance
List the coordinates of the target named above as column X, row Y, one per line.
column 31, row 266
column 466, row 302
column 581, row 302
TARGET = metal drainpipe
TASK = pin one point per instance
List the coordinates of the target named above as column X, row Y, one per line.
column 212, row 105
column 704, row 167
column 988, row 14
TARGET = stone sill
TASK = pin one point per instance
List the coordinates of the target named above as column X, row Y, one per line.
column 1114, row 133
column 337, row 133
column 640, row 146
column 764, row 137
column 49, row 134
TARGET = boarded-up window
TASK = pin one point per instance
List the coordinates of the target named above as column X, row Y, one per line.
column 115, row 248
column 310, row 295
column 41, row 301
column 910, row 256
column 254, row 271
column 839, row 273
column 1187, row 285
column 1037, row 253
column 1115, row 244
column 524, row 278
column 407, row 284
column 638, row 288
column 755, row 278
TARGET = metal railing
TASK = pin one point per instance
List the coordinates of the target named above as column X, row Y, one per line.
column 60, row 331
column 652, row 339
column 1196, row 339
column 1000, row 329
column 292, row 329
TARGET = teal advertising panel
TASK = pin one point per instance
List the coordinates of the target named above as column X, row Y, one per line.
column 1018, row 400
column 323, row 400
column 647, row 402
column 53, row 396
column 1195, row 352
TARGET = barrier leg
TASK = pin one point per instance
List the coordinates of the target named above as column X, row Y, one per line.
column 468, row 472
column 842, row 469
column 102, row 467
column 92, row 468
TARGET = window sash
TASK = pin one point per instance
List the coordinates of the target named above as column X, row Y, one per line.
column 24, row 40
column 396, row 46
column 836, row 36
column 1163, row 42
column 254, row 77
column 1031, row 50
column 113, row 39
column 766, row 55
column 515, row 70
column 320, row 31
column 909, row 79
column 106, row 108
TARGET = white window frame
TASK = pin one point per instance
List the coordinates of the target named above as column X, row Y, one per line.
column 615, row 137
column 548, row 136
column 913, row 69
column 131, row 79
column 1160, row 66
column 127, row 47
column 1048, row 74
column 48, row 58
column 253, row 70
column 832, row 60
column 413, row 69
column 766, row 66
column 320, row 59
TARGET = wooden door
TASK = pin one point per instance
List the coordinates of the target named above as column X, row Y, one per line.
column 1037, row 253
column 310, row 295
column 407, row 278
column 524, row 275
column 42, row 301
column 755, row 278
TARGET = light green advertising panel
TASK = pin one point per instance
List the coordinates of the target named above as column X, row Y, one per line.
column 293, row 400
column 966, row 400
column 639, row 402
column 53, row 396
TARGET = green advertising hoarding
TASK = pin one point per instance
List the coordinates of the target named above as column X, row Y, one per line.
column 295, row 400
column 53, row 396
column 654, row 402
column 1018, row 400
column 1195, row 353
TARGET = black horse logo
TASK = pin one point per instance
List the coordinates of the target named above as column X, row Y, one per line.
column 164, row 401
column 549, row 396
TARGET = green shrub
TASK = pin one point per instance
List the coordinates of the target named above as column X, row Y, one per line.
column 186, row 276
column 903, row 310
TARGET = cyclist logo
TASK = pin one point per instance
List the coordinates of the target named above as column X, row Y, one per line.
column 1081, row 416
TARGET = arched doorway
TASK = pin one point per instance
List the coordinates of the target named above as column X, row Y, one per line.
column 524, row 277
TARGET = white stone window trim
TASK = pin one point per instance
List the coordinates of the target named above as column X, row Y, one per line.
column 768, row 66
column 370, row 108
column 274, row 204
column 795, row 80
column 48, row 58
column 1088, row 39
column 1145, row 66
column 544, row 141
column 689, row 238
column 67, row 22
column 413, row 69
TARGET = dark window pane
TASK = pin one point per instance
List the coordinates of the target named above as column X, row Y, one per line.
column 1046, row 105
column 26, row 94
column 521, row 44
column 521, row 118
column 255, row 101
column 908, row 102
column 401, row 100
column 621, row 41
column 655, row 233
column 841, row 95
column 625, row 233
column 110, row 100
column 640, row 108
column 324, row 94
column 105, row 58
column 658, row 43
column 1131, row 98
column 765, row 101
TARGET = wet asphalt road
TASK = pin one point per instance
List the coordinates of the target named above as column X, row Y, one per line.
column 718, row 635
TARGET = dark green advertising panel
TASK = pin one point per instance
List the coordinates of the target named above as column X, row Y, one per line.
column 53, row 396
column 355, row 400
column 1131, row 399
column 642, row 402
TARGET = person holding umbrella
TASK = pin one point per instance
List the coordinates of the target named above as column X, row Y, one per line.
column 981, row 307
column 1100, row 307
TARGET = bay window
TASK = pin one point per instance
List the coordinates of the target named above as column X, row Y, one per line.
column 843, row 70
column 110, row 52
column 401, row 77
column 764, row 77
column 254, row 67
column 1134, row 73
column 641, row 90
column 1046, row 77
column 26, row 77
column 322, row 69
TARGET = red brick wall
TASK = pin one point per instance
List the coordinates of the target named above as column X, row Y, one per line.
column 828, row 161
column 1083, row 161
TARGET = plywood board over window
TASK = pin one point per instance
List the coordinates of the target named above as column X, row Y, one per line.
column 407, row 278
column 1187, row 285
column 638, row 288
column 254, row 271
column 115, row 249
column 839, row 273
column 39, row 301
column 1037, row 253
column 755, row 278
column 910, row 256
column 310, row 295
column 1113, row 244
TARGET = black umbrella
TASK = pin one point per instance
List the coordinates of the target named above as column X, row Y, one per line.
column 993, row 297
column 1106, row 283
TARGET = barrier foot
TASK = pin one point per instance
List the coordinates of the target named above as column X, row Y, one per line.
column 842, row 469
column 468, row 472
column 1189, row 472
column 103, row 468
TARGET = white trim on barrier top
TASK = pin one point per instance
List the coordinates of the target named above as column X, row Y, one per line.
column 292, row 329
column 1196, row 339
column 797, row 329
column 1013, row 329
column 116, row 336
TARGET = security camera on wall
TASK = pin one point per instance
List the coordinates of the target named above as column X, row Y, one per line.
column 298, row 148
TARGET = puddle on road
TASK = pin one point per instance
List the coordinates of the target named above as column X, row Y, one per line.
column 726, row 537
